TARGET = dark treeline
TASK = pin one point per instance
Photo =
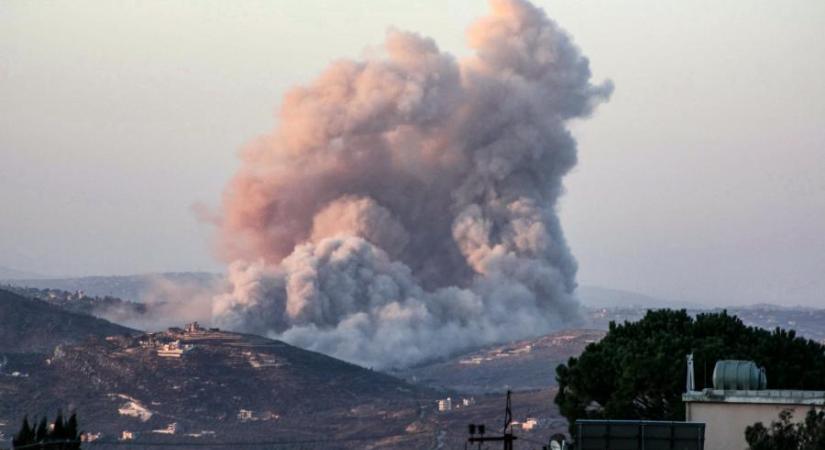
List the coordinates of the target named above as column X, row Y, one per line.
column 61, row 435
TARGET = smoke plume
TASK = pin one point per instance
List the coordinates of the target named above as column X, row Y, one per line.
column 404, row 207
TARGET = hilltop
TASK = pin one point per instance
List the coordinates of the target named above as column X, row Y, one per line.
column 210, row 384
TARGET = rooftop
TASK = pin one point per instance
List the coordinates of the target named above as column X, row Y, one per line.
column 771, row 396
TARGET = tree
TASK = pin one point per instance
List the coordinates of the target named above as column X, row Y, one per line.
column 42, row 431
column 638, row 370
column 63, row 435
column 25, row 435
column 786, row 435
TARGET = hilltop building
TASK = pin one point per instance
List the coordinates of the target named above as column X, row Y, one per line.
column 445, row 404
column 174, row 349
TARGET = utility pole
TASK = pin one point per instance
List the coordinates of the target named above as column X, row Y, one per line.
column 506, row 438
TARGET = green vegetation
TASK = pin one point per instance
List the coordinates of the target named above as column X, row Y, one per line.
column 638, row 370
column 786, row 435
column 62, row 435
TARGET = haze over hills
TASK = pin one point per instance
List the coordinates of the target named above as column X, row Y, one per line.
column 7, row 273
column 30, row 325
column 528, row 364
column 602, row 297
column 135, row 288
column 138, row 286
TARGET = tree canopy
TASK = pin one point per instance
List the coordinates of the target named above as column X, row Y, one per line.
column 786, row 435
column 638, row 370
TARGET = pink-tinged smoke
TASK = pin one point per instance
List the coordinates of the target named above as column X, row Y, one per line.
column 404, row 207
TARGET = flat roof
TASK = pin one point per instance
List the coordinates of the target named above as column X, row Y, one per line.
column 767, row 396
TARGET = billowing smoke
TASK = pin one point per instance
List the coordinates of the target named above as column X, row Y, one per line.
column 404, row 207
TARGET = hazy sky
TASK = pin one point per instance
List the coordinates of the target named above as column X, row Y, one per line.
column 703, row 179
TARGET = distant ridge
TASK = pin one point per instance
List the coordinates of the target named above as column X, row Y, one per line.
column 34, row 326
column 7, row 273
column 127, row 287
column 601, row 297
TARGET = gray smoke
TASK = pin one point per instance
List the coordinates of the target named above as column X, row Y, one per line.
column 404, row 207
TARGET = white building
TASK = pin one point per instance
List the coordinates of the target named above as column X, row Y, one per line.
column 174, row 349
column 90, row 437
column 739, row 399
column 192, row 328
column 445, row 404
column 127, row 435
column 727, row 413
column 529, row 424
column 245, row 415
column 172, row 428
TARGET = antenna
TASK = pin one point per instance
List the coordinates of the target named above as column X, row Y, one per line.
column 691, row 382
column 508, row 414
column 506, row 439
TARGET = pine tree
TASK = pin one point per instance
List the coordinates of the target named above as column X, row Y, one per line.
column 26, row 434
column 42, row 430
column 72, row 433
column 57, row 431
column 63, row 435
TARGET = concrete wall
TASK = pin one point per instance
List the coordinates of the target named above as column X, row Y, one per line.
column 725, row 423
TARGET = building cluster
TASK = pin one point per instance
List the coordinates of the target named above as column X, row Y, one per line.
column 172, row 343
column 247, row 415
column 446, row 404
column 174, row 349
column 164, row 346
column 90, row 437
column 529, row 424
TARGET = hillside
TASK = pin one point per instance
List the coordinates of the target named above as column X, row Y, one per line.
column 229, row 386
column 522, row 365
column 29, row 325
column 110, row 308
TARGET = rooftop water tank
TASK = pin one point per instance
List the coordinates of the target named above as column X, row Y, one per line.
column 739, row 375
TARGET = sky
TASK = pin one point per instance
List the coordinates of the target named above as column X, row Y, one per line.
column 702, row 180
